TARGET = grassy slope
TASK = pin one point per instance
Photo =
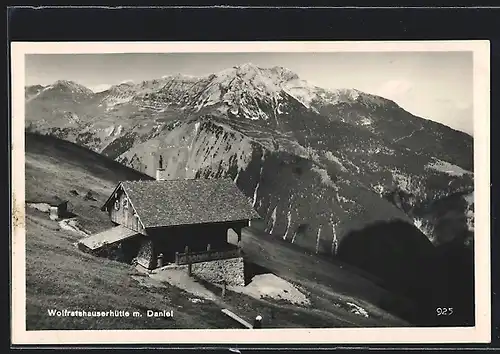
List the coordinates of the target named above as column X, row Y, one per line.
column 59, row 276
column 330, row 283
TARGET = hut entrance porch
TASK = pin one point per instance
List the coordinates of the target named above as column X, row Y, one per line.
column 207, row 242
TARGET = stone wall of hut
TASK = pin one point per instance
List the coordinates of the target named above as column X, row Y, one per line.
column 231, row 271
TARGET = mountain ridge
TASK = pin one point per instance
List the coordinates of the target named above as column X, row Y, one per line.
column 288, row 77
column 345, row 91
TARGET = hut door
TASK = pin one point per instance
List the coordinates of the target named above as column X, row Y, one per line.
column 145, row 254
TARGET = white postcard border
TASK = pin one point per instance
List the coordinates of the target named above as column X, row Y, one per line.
column 478, row 334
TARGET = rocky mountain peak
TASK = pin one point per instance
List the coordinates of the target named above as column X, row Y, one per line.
column 246, row 67
column 285, row 73
column 277, row 74
column 69, row 86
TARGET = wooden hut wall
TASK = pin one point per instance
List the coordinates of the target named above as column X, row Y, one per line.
column 121, row 212
column 62, row 209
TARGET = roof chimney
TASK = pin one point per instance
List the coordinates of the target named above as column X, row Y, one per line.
column 160, row 174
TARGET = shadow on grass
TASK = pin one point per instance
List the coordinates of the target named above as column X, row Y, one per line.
column 409, row 265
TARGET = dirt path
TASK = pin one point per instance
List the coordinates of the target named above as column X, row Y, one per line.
column 180, row 279
column 73, row 225
column 272, row 286
column 266, row 288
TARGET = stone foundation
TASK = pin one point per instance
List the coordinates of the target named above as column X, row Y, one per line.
column 229, row 270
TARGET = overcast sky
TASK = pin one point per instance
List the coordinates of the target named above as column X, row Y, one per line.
column 432, row 85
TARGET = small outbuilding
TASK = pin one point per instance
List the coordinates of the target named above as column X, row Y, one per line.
column 55, row 206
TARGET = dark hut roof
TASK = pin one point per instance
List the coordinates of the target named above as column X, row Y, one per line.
column 188, row 201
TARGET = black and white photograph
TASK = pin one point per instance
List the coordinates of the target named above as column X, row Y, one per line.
column 241, row 190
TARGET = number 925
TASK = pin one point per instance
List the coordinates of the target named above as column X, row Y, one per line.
column 444, row 311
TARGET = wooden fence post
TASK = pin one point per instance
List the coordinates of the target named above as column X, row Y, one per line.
column 159, row 261
column 257, row 323
column 223, row 288
column 189, row 268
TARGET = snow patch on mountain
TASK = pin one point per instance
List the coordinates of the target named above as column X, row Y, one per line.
column 345, row 200
column 101, row 88
column 378, row 188
column 256, row 190
column 318, row 236
column 109, row 130
column 425, row 227
column 111, row 102
column 288, row 223
column 273, row 219
column 113, row 131
column 325, row 177
column 330, row 156
column 301, row 90
column 375, row 150
column 446, row 167
column 365, row 121
column 402, row 181
column 73, row 117
column 358, row 310
column 334, row 247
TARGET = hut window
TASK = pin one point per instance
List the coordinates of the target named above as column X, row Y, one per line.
column 117, row 204
column 125, row 203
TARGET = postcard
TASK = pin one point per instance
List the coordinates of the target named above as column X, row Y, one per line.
column 250, row 192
